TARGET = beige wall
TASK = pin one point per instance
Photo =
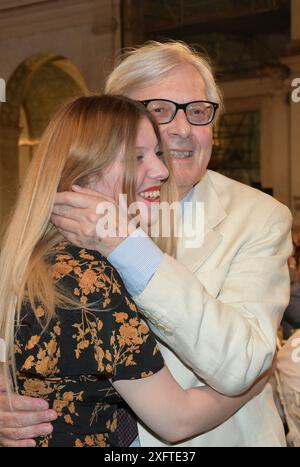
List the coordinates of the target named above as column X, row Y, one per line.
column 86, row 32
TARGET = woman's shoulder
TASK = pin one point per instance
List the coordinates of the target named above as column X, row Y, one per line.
column 66, row 259
column 87, row 274
column 65, row 249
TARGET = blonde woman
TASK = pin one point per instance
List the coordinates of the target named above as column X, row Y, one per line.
column 73, row 334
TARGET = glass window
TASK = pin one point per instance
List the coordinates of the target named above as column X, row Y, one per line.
column 236, row 152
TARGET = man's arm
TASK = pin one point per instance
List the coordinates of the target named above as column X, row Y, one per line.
column 229, row 340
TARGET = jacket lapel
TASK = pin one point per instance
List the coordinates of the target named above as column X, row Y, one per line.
column 214, row 213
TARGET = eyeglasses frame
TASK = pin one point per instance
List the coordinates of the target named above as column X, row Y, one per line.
column 183, row 107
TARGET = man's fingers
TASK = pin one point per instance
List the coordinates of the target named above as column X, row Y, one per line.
column 72, row 238
column 85, row 231
column 25, row 419
column 80, row 197
column 68, row 212
column 17, row 434
column 65, row 224
column 75, row 200
column 24, row 443
column 22, row 403
column 87, row 191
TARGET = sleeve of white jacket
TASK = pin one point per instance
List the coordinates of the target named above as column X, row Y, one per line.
column 231, row 339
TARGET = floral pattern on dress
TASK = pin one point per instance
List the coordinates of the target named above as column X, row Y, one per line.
column 71, row 362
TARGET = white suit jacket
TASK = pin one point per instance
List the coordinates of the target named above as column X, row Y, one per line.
column 216, row 309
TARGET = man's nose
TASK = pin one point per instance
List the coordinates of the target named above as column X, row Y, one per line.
column 179, row 125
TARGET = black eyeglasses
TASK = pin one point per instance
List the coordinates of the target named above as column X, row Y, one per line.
column 197, row 112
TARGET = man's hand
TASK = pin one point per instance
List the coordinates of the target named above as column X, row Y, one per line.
column 75, row 215
column 29, row 419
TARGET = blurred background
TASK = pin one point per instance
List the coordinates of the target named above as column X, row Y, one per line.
column 52, row 50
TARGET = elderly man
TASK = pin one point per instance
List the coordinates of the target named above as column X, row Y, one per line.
column 215, row 308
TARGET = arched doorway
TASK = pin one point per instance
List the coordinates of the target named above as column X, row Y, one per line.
column 34, row 92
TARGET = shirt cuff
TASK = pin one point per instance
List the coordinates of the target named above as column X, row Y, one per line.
column 136, row 259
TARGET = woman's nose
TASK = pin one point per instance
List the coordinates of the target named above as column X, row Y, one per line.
column 157, row 169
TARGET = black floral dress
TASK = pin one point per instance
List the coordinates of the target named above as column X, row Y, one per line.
column 70, row 363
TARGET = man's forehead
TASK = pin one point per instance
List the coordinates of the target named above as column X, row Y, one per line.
column 182, row 84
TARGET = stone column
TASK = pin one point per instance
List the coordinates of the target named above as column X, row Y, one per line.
column 280, row 154
column 266, row 142
column 279, row 123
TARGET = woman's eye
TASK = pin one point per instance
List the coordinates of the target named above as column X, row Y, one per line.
column 140, row 157
column 159, row 154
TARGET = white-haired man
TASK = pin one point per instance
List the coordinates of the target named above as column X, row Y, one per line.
column 215, row 308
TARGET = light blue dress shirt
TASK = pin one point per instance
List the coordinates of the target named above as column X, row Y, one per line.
column 138, row 258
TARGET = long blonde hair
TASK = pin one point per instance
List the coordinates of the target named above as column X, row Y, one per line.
column 141, row 65
column 81, row 141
